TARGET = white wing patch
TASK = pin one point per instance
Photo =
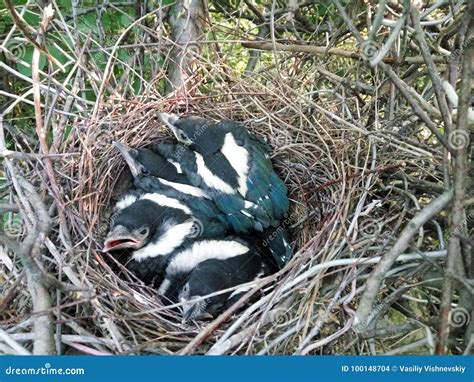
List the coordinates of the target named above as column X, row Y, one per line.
column 211, row 180
column 167, row 202
column 186, row 189
column 177, row 165
column 164, row 287
column 188, row 259
column 248, row 214
column 238, row 159
column 248, row 204
column 173, row 237
column 125, row 202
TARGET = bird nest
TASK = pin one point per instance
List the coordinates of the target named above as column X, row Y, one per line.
column 354, row 182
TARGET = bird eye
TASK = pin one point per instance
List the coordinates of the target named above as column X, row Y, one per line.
column 144, row 170
column 183, row 136
column 143, row 231
column 186, row 289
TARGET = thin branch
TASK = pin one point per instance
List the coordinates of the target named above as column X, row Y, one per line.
column 378, row 274
column 321, row 51
column 433, row 70
column 5, row 337
column 461, row 172
column 30, row 33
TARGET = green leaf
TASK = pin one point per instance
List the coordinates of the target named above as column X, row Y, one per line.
column 19, row 2
column 67, row 132
column 125, row 20
column 123, row 55
column 64, row 4
column 87, row 23
column 108, row 21
column 57, row 54
column 32, row 19
column 27, row 56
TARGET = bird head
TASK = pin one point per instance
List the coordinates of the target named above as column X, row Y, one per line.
column 191, row 131
column 192, row 310
column 121, row 237
column 133, row 225
column 201, row 282
column 144, row 162
column 140, row 222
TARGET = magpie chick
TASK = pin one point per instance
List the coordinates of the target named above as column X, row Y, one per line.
column 232, row 161
column 209, row 277
column 235, row 170
column 144, row 162
column 151, row 227
column 153, row 173
column 206, row 267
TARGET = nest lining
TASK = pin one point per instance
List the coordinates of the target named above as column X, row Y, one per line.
column 342, row 179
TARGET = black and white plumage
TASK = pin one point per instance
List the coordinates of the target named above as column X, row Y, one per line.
column 230, row 160
column 154, row 174
column 241, row 215
column 219, row 213
column 159, row 236
column 188, row 198
column 145, row 162
column 166, row 174
column 208, row 266
column 150, row 227
column 234, row 169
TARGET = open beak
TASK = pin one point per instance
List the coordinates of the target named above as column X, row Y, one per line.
column 119, row 238
column 169, row 120
column 124, row 150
